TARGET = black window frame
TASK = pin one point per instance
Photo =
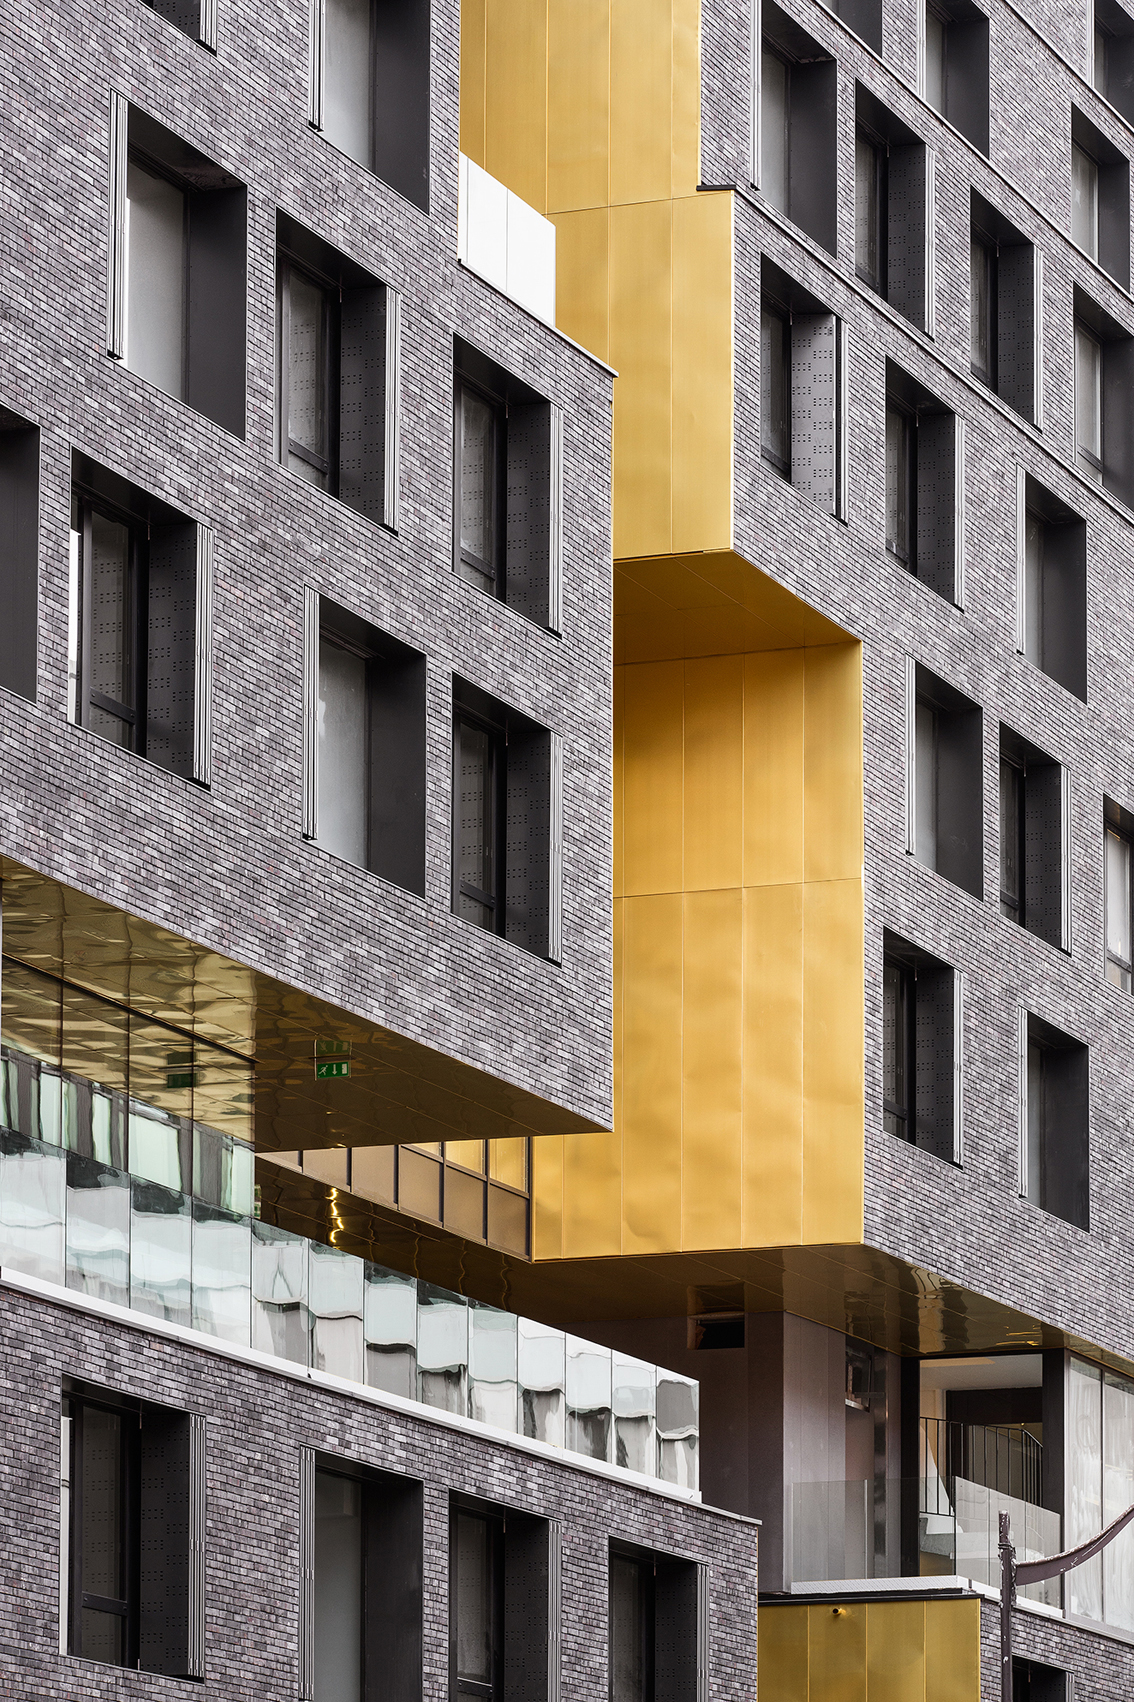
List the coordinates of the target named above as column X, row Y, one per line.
column 85, row 504
column 125, row 1607
column 497, row 734
column 494, row 570
column 331, row 297
column 459, row 1684
column 899, row 1116
column 646, row 1580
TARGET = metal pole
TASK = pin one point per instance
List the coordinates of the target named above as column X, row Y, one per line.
column 1007, row 1598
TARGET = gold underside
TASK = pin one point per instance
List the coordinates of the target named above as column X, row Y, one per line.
column 923, row 1651
column 399, row 1091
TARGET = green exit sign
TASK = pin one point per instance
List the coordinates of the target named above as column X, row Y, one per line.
column 331, row 1069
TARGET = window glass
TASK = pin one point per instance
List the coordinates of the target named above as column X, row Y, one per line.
column 898, row 446
column 477, row 420
column 895, row 1118
column 868, row 210
column 1118, row 942
column 1084, row 1486
column 475, row 825
column 628, row 1631
column 1033, row 587
column 101, row 1536
column 346, row 76
column 342, row 736
column 1033, row 1181
column 935, row 38
column 475, row 1588
column 925, row 790
column 1118, row 1495
column 338, row 1588
column 1088, row 402
column 774, row 129
column 307, row 380
column 155, row 279
column 1084, row 202
column 1100, row 59
column 981, row 299
column 111, row 625
column 1011, row 802
column 775, row 404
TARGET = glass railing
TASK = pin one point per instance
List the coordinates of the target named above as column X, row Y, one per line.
column 156, row 1214
column 843, row 1530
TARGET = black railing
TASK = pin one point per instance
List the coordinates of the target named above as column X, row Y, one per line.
column 1003, row 1457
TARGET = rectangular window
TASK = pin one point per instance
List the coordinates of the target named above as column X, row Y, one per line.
column 1116, row 847
column 1052, row 585
column 133, row 1528
column 507, row 813
column 141, row 591
column 956, row 66
column 802, row 404
column 1113, row 56
column 945, row 827
column 1104, row 377
column 1084, row 201
column 656, row 1606
column 1033, row 836
column 894, row 178
column 1004, row 309
column 504, row 1603
column 864, row 17
column 1100, row 198
column 370, row 87
column 924, row 484
column 19, row 553
column 507, row 479
column 366, row 743
column 362, row 1586
column 1054, row 1134
column 920, row 1036
column 176, row 310
column 337, row 366
column 798, row 136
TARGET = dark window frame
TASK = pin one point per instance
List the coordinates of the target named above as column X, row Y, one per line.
column 646, row 1580
column 494, row 570
column 494, row 1522
column 1013, row 906
column 908, row 416
column 899, row 1116
column 126, row 1607
column 497, row 734
column 331, row 297
column 990, row 250
column 773, row 309
column 132, row 715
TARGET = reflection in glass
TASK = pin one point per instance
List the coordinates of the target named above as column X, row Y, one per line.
column 1118, row 1495
column 476, row 428
column 98, row 1230
column 774, row 129
column 155, row 1146
column 925, row 777
column 308, row 448
column 279, row 1292
column 508, row 1220
column 1118, row 930
column 1084, row 201
column 222, row 1091
column 32, row 1189
column 982, row 310
column 899, row 432
column 161, row 1252
column 588, row 1399
column 677, row 1419
column 1088, row 404
column 223, row 1171
column 476, row 1584
column 335, row 1305
column 338, row 1588
column 343, row 727
column 1084, row 1484
column 222, row 1273
column 541, row 1367
column 442, row 1348
column 111, row 622
column 775, row 390
column 30, row 1012
column 492, row 1366
column 632, row 1402
column 935, row 38
column 869, row 256
column 390, row 1329
column 155, row 279
column 346, row 87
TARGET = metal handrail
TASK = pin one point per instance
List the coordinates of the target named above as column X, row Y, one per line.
column 1006, row 1458
column 1034, row 1572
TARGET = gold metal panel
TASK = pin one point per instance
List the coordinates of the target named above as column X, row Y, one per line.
column 773, row 767
column 783, row 1650
column 582, row 278
column 515, row 129
column 547, row 1187
column 713, row 792
column 836, row 1637
column 578, row 105
column 641, row 93
column 895, row 1651
column 833, row 763
column 508, row 1162
column 833, row 1109
column 652, row 1067
column 650, row 742
column 641, row 292
column 473, row 26
column 712, row 1132
column 702, row 383
column 952, row 1651
column 686, row 131
column 772, row 1065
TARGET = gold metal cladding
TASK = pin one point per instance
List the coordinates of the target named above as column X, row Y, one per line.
column 399, row 1090
column 922, row 1651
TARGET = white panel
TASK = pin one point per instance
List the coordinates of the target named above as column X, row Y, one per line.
column 307, row 1573
column 911, row 754
column 931, row 242
column 1065, row 855
column 959, row 516
column 1022, row 1109
column 315, row 64
column 958, row 1067
column 1021, row 560
column 73, row 581
column 203, row 694
column 116, row 263
column 842, row 421
column 310, row 712
column 1037, row 364
column 207, row 29
column 555, row 872
column 756, row 25
column 155, row 280
column 392, row 472
column 531, row 259
column 486, row 226
column 198, row 1507
column 555, row 561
